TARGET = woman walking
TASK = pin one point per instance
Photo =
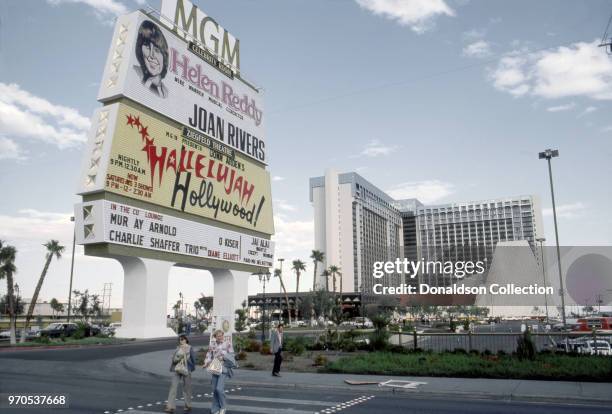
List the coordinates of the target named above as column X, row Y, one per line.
column 223, row 352
column 183, row 364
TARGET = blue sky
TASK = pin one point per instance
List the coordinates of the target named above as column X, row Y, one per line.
column 443, row 100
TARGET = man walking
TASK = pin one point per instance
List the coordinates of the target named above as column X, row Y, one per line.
column 276, row 341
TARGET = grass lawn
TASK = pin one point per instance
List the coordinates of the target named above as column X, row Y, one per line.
column 69, row 341
column 545, row 366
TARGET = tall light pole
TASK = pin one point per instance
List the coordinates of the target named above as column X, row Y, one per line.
column 542, row 240
column 281, row 260
column 547, row 155
column 264, row 277
column 71, row 266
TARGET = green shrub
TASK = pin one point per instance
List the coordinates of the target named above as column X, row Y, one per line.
column 265, row 348
column 253, row 346
column 525, row 348
column 408, row 328
column 379, row 340
column 348, row 346
column 397, row 349
column 81, row 331
column 241, row 356
column 44, row 339
column 241, row 343
column 459, row 351
column 319, row 360
column 295, row 346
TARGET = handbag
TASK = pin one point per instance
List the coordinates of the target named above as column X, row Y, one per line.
column 215, row 367
column 181, row 368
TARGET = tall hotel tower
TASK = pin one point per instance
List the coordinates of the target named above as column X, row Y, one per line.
column 356, row 225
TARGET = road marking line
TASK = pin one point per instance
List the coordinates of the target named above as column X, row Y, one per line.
column 282, row 400
column 252, row 409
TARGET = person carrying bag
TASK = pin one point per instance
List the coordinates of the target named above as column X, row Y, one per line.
column 183, row 364
column 219, row 362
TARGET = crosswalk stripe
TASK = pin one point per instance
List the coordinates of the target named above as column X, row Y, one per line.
column 282, row 400
column 252, row 409
column 144, row 412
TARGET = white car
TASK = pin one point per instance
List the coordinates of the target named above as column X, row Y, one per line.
column 364, row 323
column 597, row 347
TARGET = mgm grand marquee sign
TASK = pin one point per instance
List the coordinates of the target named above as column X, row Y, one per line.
column 176, row 158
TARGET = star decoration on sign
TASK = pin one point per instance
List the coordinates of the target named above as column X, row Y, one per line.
column 134, row 121
column 143, row 132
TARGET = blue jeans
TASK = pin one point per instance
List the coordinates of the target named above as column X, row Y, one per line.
column 218, row 383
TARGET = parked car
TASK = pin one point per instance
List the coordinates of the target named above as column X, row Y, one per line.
column 363, row 323
column 57, row 329
column 595, row 347
column 111, row 328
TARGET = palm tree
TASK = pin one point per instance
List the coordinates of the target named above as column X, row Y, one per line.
column 298, row 266
column 53, row 249
column 326, row 275
column 279, row 274
column 316, row 256
column 7, row 270
column 335, row 271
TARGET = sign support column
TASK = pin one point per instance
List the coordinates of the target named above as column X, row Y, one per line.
column 145, row 296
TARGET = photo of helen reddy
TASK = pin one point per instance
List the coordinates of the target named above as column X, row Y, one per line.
column 152, row 55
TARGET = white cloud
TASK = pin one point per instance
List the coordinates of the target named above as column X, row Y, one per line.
column 25, row 115
column 479, row 49
column 278, row 178
column 101, row 7
column 568, row 211
column 9, row 150
column 35, row 226
column 375, row 148
column 284, row 205
column 581, row 69
column 561, row 108
column 294, row 238
column 587, row 111
column 427, row 192
column 416, row 14
column 607, row 128
column 474, row 34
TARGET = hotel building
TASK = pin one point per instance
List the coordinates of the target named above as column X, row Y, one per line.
column 357, row 224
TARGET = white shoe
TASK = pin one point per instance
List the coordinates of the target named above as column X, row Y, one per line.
column 222, row 411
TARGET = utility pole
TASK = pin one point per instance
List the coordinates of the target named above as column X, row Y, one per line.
column 542, row 240
column 547, row 155
column 71, row 266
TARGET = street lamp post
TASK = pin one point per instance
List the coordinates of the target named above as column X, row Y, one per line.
column 71, row 267
column 264, row 277
column 542, row 240
column 547, row 155
column 281, row 260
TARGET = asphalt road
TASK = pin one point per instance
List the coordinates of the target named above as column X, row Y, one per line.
column 95, row 381
column 90, row 353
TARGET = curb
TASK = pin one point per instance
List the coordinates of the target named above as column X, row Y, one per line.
column 415, row 393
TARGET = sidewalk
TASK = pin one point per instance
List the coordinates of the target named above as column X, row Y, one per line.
column 158, row 364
